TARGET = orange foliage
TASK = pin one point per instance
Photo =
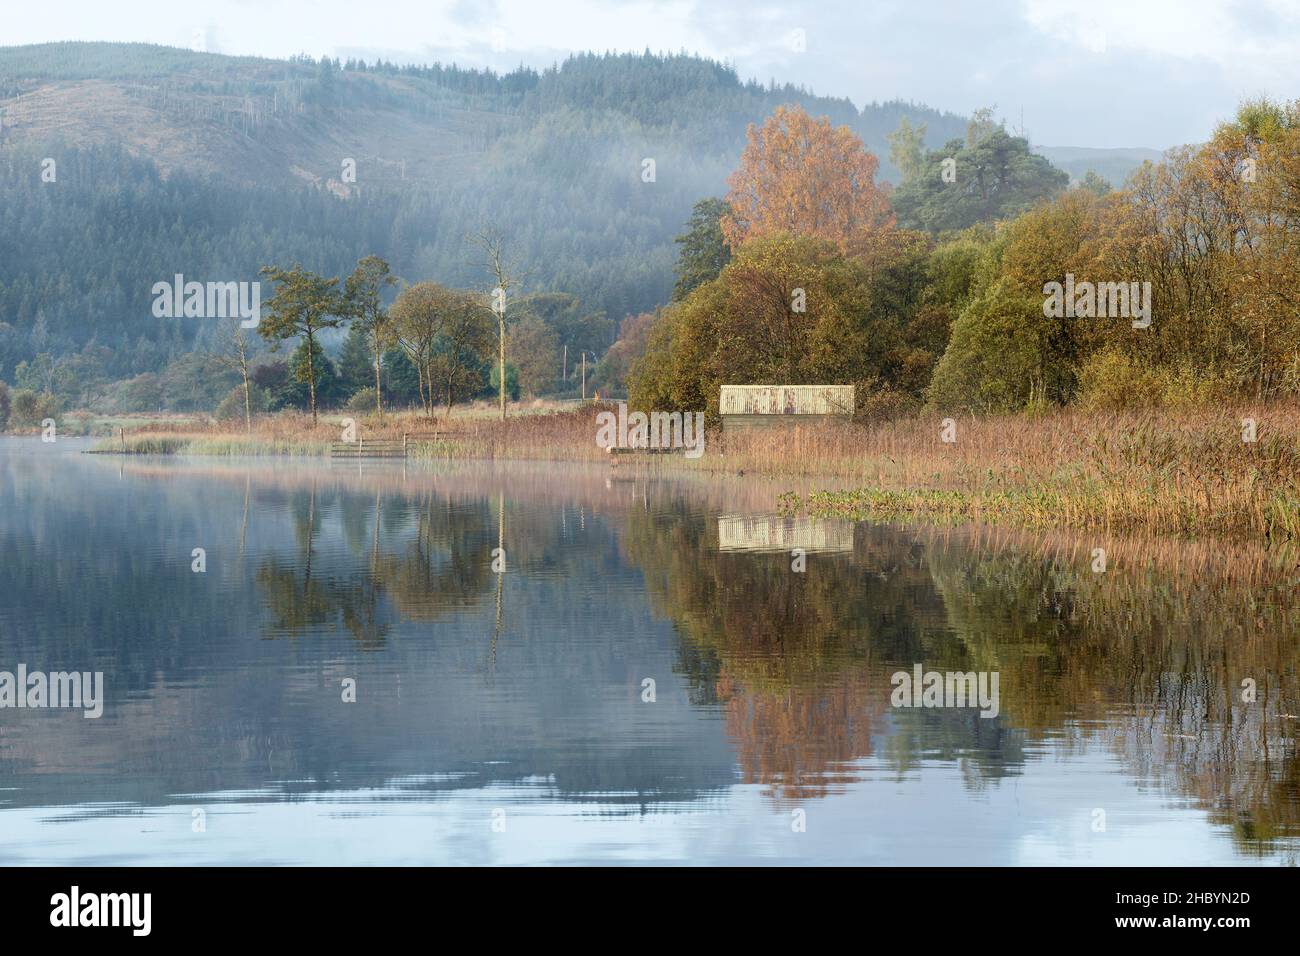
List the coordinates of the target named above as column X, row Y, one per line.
column 799, row 175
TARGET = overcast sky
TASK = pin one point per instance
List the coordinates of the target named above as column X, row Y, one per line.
column 1084, row 72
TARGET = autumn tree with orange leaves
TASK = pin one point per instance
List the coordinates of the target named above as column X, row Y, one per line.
column 801, row 176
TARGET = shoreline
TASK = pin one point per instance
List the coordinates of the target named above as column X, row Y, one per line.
column 1185, row 472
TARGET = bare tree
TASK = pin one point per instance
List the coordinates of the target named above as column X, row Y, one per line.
column 235, row 355
column 506, row 273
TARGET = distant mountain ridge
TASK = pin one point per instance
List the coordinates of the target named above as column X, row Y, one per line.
column 240, row 115
column 1114, row 165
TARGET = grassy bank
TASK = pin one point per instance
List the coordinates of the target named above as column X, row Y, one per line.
column 539, row 431
column 1186, row 472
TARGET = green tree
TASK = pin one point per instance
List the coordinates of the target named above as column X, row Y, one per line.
column 994, row 357
column 993, row 177
column 703, row 251
column 1095, row 184
column 140, row 393
column 311, row 367
column 355, row 364
column 30, row 408
column 419, row 314
column 361, row 402
column 38, row 375
column 364, row 293
column 401, row 380
column 574, row 325
column 461, row 349
column 907, row 148
column 196, row 381
column 787, row 309
column 512, row 381
column 4, row 406
column 1006, row 351
column 241, row 403
column 304, row 303
column 983, row 123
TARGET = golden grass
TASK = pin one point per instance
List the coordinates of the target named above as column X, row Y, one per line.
column 1186, row 472
column 538, row 431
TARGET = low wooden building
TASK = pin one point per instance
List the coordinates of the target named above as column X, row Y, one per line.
column 745, row 407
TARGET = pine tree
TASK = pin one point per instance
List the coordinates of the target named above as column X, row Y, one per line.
column 356, row 363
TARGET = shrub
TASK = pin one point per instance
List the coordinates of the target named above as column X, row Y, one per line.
column 83, row 423
column 4, row 406
column 1186, row 387
column 362, row 402
column 29, row 409
column 1111, row 379
column 512, row 381
column 143, row 393
column 880, row 405
column 232, row 406
column 995, row 355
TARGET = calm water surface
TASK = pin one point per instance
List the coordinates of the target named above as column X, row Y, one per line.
column 517, row 698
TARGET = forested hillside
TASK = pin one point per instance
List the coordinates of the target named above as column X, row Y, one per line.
column 168, row 161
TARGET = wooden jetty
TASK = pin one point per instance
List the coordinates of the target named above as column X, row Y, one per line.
column 385, row 447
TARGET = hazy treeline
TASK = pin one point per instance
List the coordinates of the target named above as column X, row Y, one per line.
column 554, row 158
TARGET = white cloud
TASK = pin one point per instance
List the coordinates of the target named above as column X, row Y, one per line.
column 1262, row 38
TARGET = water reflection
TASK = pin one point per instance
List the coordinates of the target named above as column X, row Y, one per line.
column 1120, row 690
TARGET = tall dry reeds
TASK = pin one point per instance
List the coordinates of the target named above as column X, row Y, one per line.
column 1184, row 472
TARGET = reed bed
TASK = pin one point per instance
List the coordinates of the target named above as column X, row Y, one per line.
column 1186, row 472
column 536, row 433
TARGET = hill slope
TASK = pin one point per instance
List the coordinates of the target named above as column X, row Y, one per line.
column 212, row 166
column 1114, row 165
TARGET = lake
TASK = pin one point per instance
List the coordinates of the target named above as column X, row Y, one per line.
column 665, row 671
